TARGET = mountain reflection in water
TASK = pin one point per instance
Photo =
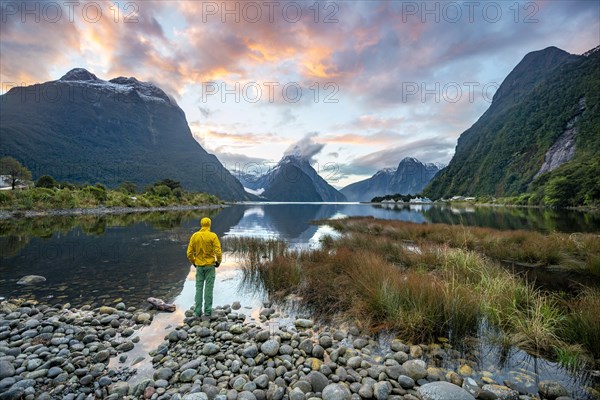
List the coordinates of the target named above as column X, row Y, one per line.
column 103, row 259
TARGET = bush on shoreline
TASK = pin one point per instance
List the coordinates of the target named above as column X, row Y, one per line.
column 92, row 196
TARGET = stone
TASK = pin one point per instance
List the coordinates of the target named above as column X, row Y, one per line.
column 306, row 346
column 354, row 362
column 415, row 369
column 471, row 386
column 325, row 341
column 239, row 383
column 394, row 371
column 286, row 349
column 318, row 351
column 125, row 346
column 6, row 369
column 32, row 323
column 381, row 390
column 236, row 329
column 86, row 380
column 401, row 357
column 502, row 392
column 236, row 305
column 104, row 381
column 192, row 364
column 270, row 348
column 210, row 348
column 443, row 391
column 406, row 382
column 296, row 394
column 551, row 390
column 54, row 372
column 246, row 395
column 120, row 389
column 31, row 280
column 303, row 385
column 210, row 390
column 262, row 381
column 303, row 323
column 187, row 375
column 397, row 346
column 163, row 373
column 142, row 318
column 107, row 310
column 14, row 393
column 336, row 391
column 366, row 391
column 267, row 312
column 101, row 356
column 262, row 336
column 317, row 380
column 195, row 396
column 250, row 351
column 360, row 343
column 465, row 370
column 138, row 389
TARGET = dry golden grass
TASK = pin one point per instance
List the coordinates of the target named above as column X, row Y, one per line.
column 580, row 251
column 425, row 281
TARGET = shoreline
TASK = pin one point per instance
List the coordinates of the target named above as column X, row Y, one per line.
column 85, row 352
column 58, row 212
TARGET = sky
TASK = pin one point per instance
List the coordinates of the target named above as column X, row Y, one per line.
column 353, row 86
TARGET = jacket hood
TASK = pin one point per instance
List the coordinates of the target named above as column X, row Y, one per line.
column 205, row 223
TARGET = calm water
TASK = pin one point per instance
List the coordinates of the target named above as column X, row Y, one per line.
column 100, row 259
column 106, row 259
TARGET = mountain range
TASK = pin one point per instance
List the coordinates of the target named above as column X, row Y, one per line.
column 410, row 177
column 84, row 129
column 292, row 179
column 539, row 139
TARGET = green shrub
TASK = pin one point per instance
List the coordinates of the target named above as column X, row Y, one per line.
column 98, row 192
column 162, row 191
column 46, row 181
column 127, row 187
column 6, row 197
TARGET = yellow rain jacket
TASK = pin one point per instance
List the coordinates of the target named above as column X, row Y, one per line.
column 204, row 248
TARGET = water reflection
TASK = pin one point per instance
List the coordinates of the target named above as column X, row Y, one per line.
column 510, row 218
column 100, row 259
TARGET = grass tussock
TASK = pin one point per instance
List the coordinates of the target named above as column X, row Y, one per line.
column 436, row 288
column 578, row 251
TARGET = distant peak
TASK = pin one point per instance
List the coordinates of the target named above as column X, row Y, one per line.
column 146, row 89
column 293, row 157
column 121, row 80
column 386, row 171
column 79, row 74
column 436, row 165
column 410, row 160
column 590, row 52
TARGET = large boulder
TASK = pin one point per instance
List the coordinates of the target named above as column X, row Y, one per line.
column 551, row 390
column 443, row 391
column 31, row 280
column 336, row 391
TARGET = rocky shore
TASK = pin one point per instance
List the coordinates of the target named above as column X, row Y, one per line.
column 63, row 353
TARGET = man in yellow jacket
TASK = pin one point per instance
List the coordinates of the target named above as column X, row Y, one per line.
column 204, row 251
